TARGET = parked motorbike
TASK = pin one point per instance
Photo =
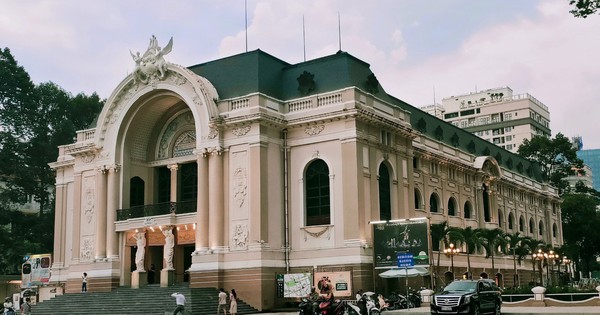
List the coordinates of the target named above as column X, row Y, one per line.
column 331, row 307
column 414, row 298
column 306, row 307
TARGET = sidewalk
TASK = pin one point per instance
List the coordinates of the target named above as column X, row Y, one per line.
column 516, row 310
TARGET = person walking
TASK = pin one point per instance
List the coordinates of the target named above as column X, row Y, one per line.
column 180, row 300
column 233, row 302
column 8, row 306
column 84, row 282
column 26, row 307
column 222, row 302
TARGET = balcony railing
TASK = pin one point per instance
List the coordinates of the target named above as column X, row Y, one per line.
column 156, row 209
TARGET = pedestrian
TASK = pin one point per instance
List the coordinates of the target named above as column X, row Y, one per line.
column 26, row 307
column 233, row 302
column 8, row 306
column 180, row 300
column 151, row 273
column 222, row 302
column 84, row 282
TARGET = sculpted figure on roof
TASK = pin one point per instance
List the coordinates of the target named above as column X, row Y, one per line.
column 152, row 63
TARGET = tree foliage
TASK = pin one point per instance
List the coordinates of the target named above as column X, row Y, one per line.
column 557, row 158
column 34, row 121
column 580, row 227
column 584, row 8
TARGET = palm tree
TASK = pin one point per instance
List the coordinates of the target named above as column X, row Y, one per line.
column 491, row 240
column 532, row 245
column 469, row 237
column 515, row 246
column 439, row 232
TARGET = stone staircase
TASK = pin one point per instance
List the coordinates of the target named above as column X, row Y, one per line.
column 151, row 300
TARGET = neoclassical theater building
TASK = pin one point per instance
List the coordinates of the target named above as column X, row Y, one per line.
column 229, row 172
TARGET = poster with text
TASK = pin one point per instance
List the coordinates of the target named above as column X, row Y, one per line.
column 337, row 281
column 406, row 237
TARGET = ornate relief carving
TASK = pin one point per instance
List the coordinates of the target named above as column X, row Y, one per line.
column 316, row 155
column 240, row 237
column 314, row 130
column 88, row 158
column 87, row 248
column 176, row 124
column 88, row 203
column 212, row 133
column 240, row 131
column 240, row 188
column 151, row 65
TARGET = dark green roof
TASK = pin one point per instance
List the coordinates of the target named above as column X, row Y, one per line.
column 257, row 71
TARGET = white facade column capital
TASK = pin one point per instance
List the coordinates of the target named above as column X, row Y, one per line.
column 173, row 167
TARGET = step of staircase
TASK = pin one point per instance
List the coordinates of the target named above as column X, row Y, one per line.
column 124, row 301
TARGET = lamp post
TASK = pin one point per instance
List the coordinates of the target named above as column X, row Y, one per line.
column 537, row 256
column 566, row 261
column 451, row 251
column 550, row 257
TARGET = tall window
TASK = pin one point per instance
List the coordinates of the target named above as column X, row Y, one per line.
column 385, row 204
column 554, row 230
column 511, row 221
column 467, row 210
column 433, row 203
column 500, row 218
column 317, row 193
column 521, row 224
column 189, row 181
column 136, row 192
column 487, row 216
column 164, row 184
column 541, row 228
column 452, row 206
column 531, row 226
column 418, row 200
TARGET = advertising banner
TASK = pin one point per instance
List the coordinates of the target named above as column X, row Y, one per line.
column 402, row 237
column 338, row 281
column 36, row 270
column 297, row 285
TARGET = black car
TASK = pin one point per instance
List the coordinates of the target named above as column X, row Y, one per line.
column 468, row 297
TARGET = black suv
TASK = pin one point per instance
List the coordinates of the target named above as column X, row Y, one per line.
column 468, row 297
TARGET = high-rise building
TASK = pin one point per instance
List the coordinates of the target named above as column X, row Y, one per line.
column 591, row 158
column 496, row 115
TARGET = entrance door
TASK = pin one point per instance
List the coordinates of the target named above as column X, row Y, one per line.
column 187, row 261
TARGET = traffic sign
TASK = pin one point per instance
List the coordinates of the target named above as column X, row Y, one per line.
column 405, row 260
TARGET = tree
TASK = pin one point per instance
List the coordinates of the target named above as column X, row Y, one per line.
column 469, row 237
column 557, row 158
column 580, row 227
column 491, row 239
column 439, row 233
column 532, row 245
column 584, row 8
column 517, row 249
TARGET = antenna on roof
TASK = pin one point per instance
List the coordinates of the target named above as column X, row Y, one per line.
column 339, row 32
column 303, row 38
column 246, row 21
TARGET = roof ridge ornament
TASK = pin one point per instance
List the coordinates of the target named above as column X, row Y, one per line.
column 152, row 65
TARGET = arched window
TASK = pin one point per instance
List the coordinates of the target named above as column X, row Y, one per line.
column 531, row 226
column 418, row 200
column 554, row 230
column 433, row 203
column 541, row 228
column 487, row 215
column 521, row 224
column 317, row 193
column 452, row 206
column 467, row 210
column 385, row 203
column 511, row 221
column 500, row 218
column 136, row 192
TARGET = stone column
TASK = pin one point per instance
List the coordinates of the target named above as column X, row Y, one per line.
column 100, row 207
column 173, row 168
column 76, row 217
column 112, row 246
column 202, row 204
column 215, row 199
column 59, row 226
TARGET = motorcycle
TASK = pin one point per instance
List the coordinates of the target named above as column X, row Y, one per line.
column 306, row 307
column 331, row 307
column 414, row 298
column 371, row 303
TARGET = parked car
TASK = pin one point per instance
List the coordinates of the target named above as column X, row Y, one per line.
column 468, row 297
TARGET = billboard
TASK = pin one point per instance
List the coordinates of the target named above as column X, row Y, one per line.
column 297, row 285
column 338, row 281
column 401, row 237
column 36, row 270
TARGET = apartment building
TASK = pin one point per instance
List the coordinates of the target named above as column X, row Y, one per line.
column 496, row 115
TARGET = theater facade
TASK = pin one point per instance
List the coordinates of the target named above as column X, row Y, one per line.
column 230, row 172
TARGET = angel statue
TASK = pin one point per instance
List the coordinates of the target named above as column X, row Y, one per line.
column 152, row 63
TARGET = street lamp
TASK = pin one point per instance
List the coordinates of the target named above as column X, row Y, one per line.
column 550, row 257
column 537, row 256
column 566, row 261
column 451, row 251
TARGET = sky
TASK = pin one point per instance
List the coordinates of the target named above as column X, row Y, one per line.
column 420, row 50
